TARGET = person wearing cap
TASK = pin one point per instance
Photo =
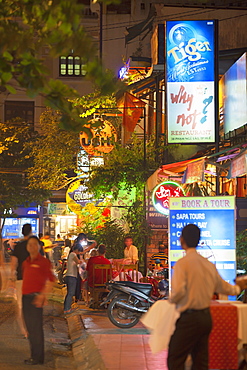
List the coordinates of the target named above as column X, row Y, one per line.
column 194, row 282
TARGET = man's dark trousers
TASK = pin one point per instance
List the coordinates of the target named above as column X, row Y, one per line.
column 190, row 337
column 33, row 317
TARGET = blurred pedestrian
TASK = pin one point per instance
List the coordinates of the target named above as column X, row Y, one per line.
column 19, row 255
column 57, row 250
column 71, row 276
column 194, row 282
column 86, row 245
column 46, row 239
column 38, row 280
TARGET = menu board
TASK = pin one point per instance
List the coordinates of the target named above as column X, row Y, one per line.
column 215, row 216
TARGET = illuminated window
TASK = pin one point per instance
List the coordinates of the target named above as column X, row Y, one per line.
column 71, row 66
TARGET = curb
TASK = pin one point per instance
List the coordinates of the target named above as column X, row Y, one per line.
column 85, row 352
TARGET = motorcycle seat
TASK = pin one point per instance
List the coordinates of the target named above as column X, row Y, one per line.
column 145, row 288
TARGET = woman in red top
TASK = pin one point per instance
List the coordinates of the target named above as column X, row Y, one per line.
column 38, row 280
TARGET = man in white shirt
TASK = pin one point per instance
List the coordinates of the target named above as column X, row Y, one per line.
column 130, row 251
column 194, row 281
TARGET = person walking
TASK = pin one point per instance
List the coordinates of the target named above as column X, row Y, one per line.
column 46, row 239
column 87, row 245
column 194, row 282
column 19, row 255
column 38, row 280
column 71, row 276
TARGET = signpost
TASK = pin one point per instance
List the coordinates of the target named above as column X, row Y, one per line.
column 215, row 216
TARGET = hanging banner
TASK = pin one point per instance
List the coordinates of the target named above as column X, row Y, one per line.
column 195, row 172
column 215, row 216
column 190, row 76
column 239, row 166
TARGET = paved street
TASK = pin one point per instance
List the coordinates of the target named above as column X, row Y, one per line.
column 108, row 347
column 14, row 348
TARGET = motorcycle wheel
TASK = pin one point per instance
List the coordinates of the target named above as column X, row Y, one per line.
column 121, row 317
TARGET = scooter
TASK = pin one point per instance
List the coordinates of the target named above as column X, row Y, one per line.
column 128, row 301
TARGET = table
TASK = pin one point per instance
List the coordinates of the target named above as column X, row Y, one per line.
column 228, row 334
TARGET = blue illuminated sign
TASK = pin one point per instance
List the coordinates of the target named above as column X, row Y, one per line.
column 190, row 51
column 190, row 74
column 215, row 216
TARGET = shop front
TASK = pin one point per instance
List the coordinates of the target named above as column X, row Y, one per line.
column 58, row 219
column 13, row 225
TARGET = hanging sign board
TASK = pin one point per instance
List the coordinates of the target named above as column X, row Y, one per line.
column 190, row 76
column 215, row 216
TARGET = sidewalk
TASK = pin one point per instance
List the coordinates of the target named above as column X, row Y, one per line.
column 99, row 345
column 15, row 349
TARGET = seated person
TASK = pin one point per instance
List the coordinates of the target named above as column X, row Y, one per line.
column 99, row 276
column 162, row 255
column 130, row 254
column 130, row 251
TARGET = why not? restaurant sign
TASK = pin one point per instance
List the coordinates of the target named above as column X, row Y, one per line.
column 190, row 76
column 215, row 217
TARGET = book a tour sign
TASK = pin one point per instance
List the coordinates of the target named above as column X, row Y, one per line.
column 215, row 216
column 190, row 76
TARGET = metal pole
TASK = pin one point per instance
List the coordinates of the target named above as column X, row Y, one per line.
column 101, row 30
column 216, row 106
column 144, row 190
column 157, row 121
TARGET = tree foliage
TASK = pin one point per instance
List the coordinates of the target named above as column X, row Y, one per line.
column 112, row 235
column 15, row 160
column 27, row 28
column 54, row 153
column 124, row 168
column 241, row 249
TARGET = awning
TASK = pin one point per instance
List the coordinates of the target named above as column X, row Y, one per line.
column 170, row 170
column 191, row 169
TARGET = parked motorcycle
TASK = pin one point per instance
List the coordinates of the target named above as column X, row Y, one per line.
column 128, row 301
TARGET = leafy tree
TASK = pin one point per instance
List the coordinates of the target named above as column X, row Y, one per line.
column 112, row 235
column 124, row 168
column 241, row 249
column 29, row 26
column 54, row 152
column 15, row 160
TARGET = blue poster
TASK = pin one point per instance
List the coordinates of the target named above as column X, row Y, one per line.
column 190, row 51
column 215, row 216
column 13, row 227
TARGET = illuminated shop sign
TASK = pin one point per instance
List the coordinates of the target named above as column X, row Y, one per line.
column 190, row 81
column 215, row 217
column 163, row 192
column 101, row 139
column 234, row 95
column 77, row 197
